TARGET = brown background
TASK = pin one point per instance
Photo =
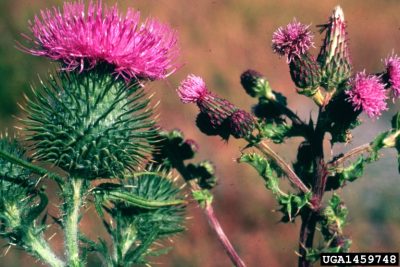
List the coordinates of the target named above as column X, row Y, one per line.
column 219, row 40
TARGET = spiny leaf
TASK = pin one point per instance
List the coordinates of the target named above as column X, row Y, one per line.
column 134, row 200
column 145, row 208
column 276, row 132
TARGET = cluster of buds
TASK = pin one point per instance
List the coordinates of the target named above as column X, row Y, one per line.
column 217, row 116
column 332, row 70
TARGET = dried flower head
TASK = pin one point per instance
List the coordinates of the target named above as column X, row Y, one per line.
column 292, row 40
column 82, row 39
column 192, row 89
column 392, row 64
column 368, row 93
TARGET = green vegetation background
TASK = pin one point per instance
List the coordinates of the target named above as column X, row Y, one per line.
column 220, row 39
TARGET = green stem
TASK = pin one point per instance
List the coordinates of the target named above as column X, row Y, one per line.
column 30, row 166
column 40, row 248
column 73, row 203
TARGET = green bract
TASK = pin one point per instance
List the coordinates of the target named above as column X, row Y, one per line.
column 89, row 124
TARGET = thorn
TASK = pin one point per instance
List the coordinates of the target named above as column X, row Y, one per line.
column 51, row 237
column 39, row 180
column 157, row 104
column 158, row 244
column 298, row 254
column 6, row 251
column 182, row 186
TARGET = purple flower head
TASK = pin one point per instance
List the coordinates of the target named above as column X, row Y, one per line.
column 81, row 39
column 367, row 93
column 192, row 89
column 393, row 73
column 293, row 40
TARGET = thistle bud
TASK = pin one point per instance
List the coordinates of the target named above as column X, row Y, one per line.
column 188, row 149
column 205, row 174
column 256, row 85
column 305, row 73
column 217, row 109
column 90, row 124
column 241, row 124
column 194, row 90
column 334, row 56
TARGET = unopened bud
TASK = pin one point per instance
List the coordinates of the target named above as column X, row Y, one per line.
column 334, row 56
column 256, row 85
column 241, row 124
column 305, row 73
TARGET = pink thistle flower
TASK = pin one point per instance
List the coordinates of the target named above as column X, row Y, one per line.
column 367, row 93
column 82, row 39
column 393, row 74
column 192, row 89
column 292, row 40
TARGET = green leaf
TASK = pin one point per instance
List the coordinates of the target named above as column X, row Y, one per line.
column 35, row 211
column 353, row 171
column 396, row 121
column 265, row 169
column 334, row 218
column 377, row 145
column 145, row 208
column 134, row 200
column 275, row 132
column 292, row 204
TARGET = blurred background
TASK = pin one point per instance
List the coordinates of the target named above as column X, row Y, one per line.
column 219, row 40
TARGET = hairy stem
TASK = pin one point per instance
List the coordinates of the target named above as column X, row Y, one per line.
column 307, row 231
column 72, row 207
column 310, row 216
column 267, row 151
column 354, row 152
column 212, row 219
column 30, row 166
column 40, row 248
column 216, row 226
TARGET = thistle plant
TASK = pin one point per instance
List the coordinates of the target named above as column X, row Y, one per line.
column 90, row 127
column 340, row 95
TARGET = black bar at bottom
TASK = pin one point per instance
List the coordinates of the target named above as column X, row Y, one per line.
column 359, row 259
